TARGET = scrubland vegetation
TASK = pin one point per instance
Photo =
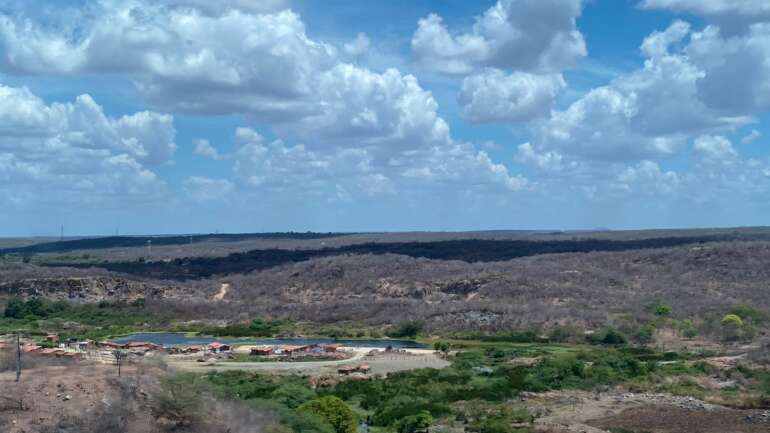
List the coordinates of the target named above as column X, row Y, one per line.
column 479, row 390
column 514, row 317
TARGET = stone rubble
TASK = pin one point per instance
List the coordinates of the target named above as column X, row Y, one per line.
column 687, row 403
column 759, row 417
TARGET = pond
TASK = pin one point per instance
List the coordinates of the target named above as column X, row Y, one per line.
column 179, row 339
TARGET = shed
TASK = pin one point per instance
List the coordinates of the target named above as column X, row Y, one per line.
column 262, row 350
column 217, row 347
column 291, row 350
column 109, row 345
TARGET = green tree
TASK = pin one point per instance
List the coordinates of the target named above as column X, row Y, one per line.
column 645, row 335
column 261, row 328
column 36, row 307
column 334, row 411
column 16, row 308
column 414, row 423
column 293, row 395
column 613, row 337
column 734, row 328
column 732, row 320
column 663, row 310
column 407, row 329
column 687, row 328
column 441, row 346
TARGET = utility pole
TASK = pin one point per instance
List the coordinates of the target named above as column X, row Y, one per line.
column 18, row 357
column 119, row 355
column 149, row 250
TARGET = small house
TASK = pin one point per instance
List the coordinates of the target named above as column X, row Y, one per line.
column 84, row 345
column 330, row 348
column 293, row 350
column 52, row 338
column 109, row 345
column 217, row 347
column 262, row 351
column 142, row 345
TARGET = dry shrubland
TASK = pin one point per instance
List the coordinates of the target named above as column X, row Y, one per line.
column 589, row 290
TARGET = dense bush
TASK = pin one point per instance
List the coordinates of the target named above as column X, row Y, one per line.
column 335, row 412
column 93, row 321
column 408, row 329
column 280, row 395
column 256, row 328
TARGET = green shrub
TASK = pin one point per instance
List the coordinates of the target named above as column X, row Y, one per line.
column 334, row 411
column 293, row 395
column 645, row 335
column 407, row 329
column 749, row 313
column 179, row 399
column 441, row 346
column 243, row 385
column 414, row 423
column 732, row 320
column 663, row 310
column 609, row 337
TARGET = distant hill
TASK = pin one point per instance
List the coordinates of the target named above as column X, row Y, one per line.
column 468, row 250
column 141, row 241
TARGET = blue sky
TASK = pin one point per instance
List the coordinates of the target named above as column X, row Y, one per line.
column 181, row 116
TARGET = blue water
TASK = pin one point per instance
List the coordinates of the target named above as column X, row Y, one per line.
column 176, row 339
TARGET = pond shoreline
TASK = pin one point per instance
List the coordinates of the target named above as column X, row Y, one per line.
column 184, row 339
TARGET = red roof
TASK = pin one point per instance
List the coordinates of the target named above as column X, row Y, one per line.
column 137, row 344
column 141, row 344
column 293, row 348
column 109, row 344
column 218, row 345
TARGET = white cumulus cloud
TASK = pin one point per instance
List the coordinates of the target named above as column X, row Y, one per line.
column 358, row 46
column 525, row 35
column 74, row 150
column 493, row 96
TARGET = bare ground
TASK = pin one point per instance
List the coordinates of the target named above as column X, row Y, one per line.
column 47, row 395
column 380, row 364
column 663, row 419
column 583, row 412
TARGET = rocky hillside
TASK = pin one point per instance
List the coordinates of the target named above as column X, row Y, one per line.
column 588, row 289
column 92, row 289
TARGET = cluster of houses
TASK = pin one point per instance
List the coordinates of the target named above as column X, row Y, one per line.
column 296, row 350
column 76, row 348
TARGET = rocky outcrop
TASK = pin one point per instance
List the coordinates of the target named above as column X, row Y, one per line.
column 84, row 289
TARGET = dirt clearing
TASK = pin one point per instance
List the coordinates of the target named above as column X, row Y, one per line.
column 662, row 419
column 49, row 395
column 382, row 363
